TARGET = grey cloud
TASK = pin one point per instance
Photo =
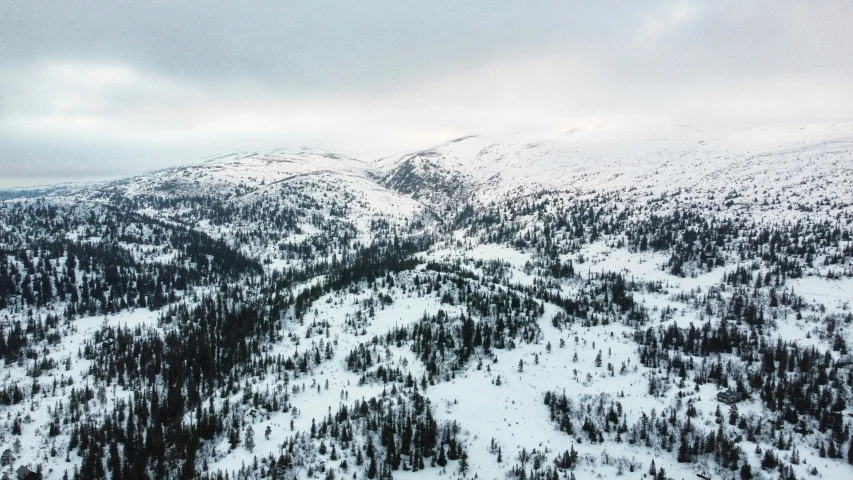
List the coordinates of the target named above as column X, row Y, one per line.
column 112, row 87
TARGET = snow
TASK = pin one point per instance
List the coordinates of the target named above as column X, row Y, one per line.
column 791, row 168
column 704, row 165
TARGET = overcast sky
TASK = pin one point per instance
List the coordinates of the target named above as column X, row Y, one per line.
column 108, row 88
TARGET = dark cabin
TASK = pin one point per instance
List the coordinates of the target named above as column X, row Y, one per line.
column 25, row 473
column 729, row 397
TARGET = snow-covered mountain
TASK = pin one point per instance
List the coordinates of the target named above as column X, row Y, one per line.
column 788, row 168
column 540, row 305
column 308, row 186
column 250, row 170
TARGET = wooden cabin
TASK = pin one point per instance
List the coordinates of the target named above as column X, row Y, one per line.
column 25, row 473
column 729, row 397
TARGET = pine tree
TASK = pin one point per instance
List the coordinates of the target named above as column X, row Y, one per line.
column 745, row 471
column 234, row 437
column 250, row 439
column 850, row 451
column 442, row 458
column 684, row 451
column 769, row 461
column 371, row 469
column 463, row 462
column 114, row 461
column 7, row 458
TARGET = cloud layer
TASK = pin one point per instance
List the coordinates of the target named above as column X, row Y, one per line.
column 101, row 89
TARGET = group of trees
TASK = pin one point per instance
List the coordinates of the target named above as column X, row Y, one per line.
column 554, row 224
column 444, row 343
column 179, row 389
column 111, row 265
column 209, row 343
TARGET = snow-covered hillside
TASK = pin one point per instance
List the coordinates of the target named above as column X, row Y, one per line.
column 247, row 169
column 537, row 306
column 781, row 169
column 259, row 201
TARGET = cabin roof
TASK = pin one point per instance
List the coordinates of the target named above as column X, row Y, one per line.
column 729, row 395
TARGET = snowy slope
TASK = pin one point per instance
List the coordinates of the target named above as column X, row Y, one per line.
column 792, row 168
column 311, row 186
column 248, row 169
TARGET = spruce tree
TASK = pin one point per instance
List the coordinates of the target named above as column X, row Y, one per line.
column 371, row 469
column 745, row 471
column 250, row 439
column 463, row 462
column 683, row 451
column 850, row 451
column 234, row 437
column 442, row 458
